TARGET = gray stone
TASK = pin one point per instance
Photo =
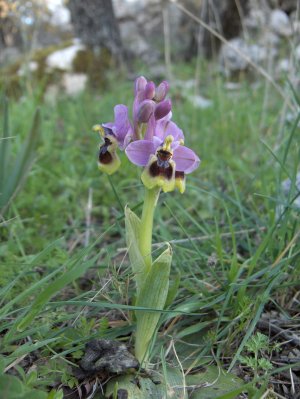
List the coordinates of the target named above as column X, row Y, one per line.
column 256, row 19
column 107, row 356
column 199, row 101
column 269, row 39
column 297, row 52
column 9, row 55
column 280, row 23
column 63, row 59
column 74, row 83
column 231, row 54
column 283, row 65
column 230, row 58
column 287, row 186
column 31, row 66
column 232, row 86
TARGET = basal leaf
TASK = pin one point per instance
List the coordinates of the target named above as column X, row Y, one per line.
column 132, row 224
column 153, row 294
column 213, row 383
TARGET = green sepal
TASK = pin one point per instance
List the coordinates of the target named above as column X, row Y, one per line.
column 180, row 183
column 153, row 295
column 132, row 226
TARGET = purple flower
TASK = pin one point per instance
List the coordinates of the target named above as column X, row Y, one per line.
column 153, row 141
column 121, row 127
column 115, row 134
column 148, row 101
column 165, row 158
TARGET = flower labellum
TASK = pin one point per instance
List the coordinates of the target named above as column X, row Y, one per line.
column 160, row 171
column 108, row 160
column 166, row 160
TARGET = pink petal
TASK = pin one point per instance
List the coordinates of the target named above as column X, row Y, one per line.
column 122, row 124
column 150, row 128
column 140, row 84
column 186, row 160
column 138, row 152
column 127, row 139
column 165, row 127
column 110, row 125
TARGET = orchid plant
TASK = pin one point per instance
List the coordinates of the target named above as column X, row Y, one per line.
column 155, row 143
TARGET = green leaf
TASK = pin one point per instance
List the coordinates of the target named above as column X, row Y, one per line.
column 175, row 384
column 11, row 182
column 4, row 143
column 34, row 287
column 173, row 289
column 11, row 387
column 127, row 383
column 153, row 294
column 132, row 225
column 213, row 383
column 169, row 385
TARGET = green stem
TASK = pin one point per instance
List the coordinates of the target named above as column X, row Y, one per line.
column 150, row 201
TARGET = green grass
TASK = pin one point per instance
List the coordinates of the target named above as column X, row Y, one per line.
column 236, row 258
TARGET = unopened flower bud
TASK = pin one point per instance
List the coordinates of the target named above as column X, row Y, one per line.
column 162, row 109
column 140, row 84
column 149, row 90
column 146, row 109
column 161, row 91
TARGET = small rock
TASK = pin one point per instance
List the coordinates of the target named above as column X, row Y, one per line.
column 63, row 59
column 284, row 65
column 230, row 58
column 232, row 86
column 256, row 53
column 286, row 188
column 30, row 67
column 231, row 54
column 280, row 23
column 269, row 39
column 255, row 19
column 74, row 83
column 297, row 53
column 199, row 101
column 104, row 355
column 51, row 94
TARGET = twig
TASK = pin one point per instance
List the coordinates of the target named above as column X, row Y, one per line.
column 202, row 238
column 166, row 24
column 289, row 336
column 15, row 362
